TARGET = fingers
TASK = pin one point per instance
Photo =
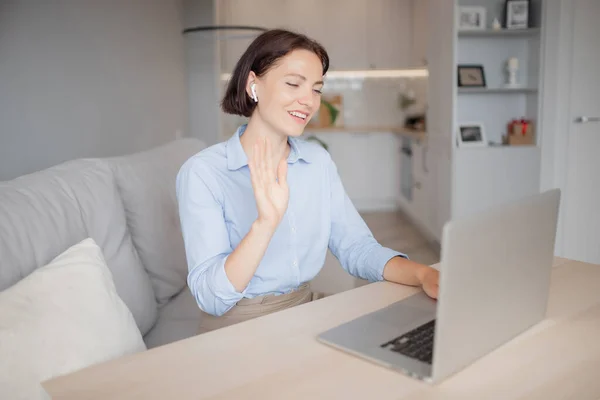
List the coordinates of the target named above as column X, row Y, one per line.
column 282, row 172
column 433, row 290
column 262, row 154
column 269, row 161
column 253, row 164
column 259, row 160
column 262, row 170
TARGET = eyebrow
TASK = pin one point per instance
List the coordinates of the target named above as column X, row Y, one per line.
column 304, row 78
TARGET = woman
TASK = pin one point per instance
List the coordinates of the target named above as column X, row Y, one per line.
column 259, row 211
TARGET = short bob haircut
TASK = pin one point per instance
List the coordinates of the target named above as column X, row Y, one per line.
column 260, row 56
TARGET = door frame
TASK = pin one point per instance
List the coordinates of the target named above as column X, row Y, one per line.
column 555, row 121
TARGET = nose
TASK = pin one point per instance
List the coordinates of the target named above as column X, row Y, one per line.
column 307, row 99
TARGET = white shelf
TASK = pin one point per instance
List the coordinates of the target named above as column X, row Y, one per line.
column 498, row 90
column 525, row 148
column 503, row 33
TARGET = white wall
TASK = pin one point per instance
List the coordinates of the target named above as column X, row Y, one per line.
column 441, row 49
column 202, row 63
column 555, row 114
column 88, row 79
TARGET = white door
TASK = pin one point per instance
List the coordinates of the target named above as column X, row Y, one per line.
column 581, row 230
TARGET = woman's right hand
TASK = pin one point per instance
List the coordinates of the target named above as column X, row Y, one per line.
column 270, row 187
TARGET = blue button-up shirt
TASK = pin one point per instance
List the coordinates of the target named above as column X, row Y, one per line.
column 217, row 209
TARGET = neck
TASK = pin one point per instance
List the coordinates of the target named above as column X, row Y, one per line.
column 257, row 129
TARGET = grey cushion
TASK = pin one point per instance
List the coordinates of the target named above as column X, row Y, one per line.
column 146, row 182
column 178, row 319
column 43, row 214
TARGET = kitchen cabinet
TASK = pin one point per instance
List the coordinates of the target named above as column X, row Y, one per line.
column 406, row 169
column 426, row 182
column 340, row 26
column 357, row 34
column 420, row 175
column 368, row 165
column 418, row 193
column 419, row 33
column 261, row 13
column 388, row 34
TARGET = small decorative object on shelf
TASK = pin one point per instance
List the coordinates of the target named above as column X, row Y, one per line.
column 471, row 19
column 329, row 114
column 471, row 134
column 517, row 14
column 471, row 76
column 416, row 122
column 496, row 25
column 520, row 132
column 406, row 99
column 512, row 66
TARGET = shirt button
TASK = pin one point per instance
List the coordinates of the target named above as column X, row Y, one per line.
column 293, row 229
column 295, row 263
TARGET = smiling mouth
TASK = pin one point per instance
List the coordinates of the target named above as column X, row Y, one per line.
column 298, row 116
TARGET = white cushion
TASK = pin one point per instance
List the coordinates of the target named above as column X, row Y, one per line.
column 146, row 182
column 63, row 317
column 46, row 212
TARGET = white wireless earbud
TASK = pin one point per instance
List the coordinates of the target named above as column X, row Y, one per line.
column 253, row 90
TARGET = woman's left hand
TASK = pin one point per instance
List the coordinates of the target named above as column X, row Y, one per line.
column 406, row 272
column 430, row 282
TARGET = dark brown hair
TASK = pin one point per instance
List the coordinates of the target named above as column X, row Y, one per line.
column 259, row 57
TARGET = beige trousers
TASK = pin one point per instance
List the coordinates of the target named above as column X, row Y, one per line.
column 247, row 309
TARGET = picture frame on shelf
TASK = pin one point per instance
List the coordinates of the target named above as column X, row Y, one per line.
column 471, row 76
column 471, row 134
column 517, row 14
column 471, row 18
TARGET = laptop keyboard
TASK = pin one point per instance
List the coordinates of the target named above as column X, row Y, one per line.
column 417, row 343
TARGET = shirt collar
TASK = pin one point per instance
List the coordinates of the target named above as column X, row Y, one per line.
column 236, row 156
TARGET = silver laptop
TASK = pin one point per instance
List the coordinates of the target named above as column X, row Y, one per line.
column 494, row 281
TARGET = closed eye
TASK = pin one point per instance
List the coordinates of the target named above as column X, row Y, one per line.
column 318, row 91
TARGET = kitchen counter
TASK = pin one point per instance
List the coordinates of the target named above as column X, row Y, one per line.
column 411, row 133
column 406, row 132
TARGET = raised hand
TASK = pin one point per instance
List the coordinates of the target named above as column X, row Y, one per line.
column 269, row 184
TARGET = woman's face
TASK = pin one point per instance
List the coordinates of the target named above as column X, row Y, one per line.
column 290, row 92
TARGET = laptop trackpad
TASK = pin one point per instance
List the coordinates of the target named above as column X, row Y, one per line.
column 408, row 313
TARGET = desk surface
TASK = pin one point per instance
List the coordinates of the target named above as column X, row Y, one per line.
column 277, row 356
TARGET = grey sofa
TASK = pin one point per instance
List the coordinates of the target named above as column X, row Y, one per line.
column 128, row 206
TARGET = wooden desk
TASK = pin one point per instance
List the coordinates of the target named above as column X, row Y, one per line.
column 277, row 356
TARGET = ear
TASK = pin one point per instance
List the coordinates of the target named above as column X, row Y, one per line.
column 251, row 79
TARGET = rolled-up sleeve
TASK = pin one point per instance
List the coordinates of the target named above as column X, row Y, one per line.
column 351, row 240
column 206, row 239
